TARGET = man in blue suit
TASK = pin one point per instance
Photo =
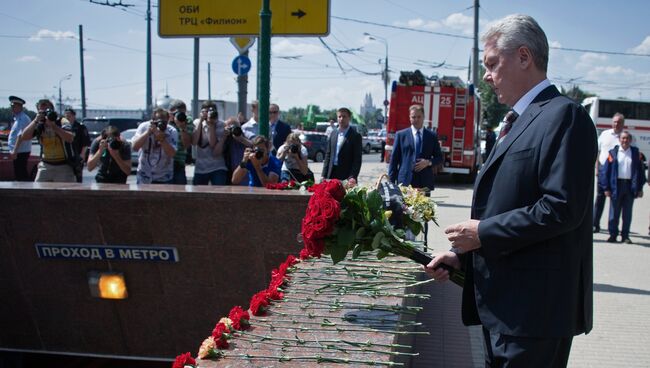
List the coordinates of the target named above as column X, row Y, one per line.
column 622, row 180
column 416, row 152
column 528, row 249
column 278, row 129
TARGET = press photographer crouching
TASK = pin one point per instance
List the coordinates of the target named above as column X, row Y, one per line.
column 113, row 155
column 156, row 142
column 58, row 160
column 260, row 167
column 294, row 160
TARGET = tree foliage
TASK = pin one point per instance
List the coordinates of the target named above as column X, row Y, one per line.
column 575, row 93
column 7, row 115
column 491, row 110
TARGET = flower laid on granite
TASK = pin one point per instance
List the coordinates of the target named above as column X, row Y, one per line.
column 208, row 349
column 239, row 318
column 339, row 221
column 290, row 185
column 184, row 361
column 260, row 303
column 221, row 334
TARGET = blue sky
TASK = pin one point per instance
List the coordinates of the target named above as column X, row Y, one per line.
column 39, row 44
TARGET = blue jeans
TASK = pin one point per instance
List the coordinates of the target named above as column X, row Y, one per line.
column 217, row 177
column 622, row 204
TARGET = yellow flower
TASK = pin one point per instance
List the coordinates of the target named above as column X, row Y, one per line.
column 388, row 214
column 226, row 321
column 207, row 345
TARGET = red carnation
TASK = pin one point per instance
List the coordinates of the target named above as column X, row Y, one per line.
column 304, row 253
column 220, row 335
column 240, row 318
column 259, row 303
column 272, row 292
column 183, row 360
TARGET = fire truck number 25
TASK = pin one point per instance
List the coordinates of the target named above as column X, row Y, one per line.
column 445, row 101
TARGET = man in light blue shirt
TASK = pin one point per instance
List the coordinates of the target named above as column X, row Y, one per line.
column 20, row 151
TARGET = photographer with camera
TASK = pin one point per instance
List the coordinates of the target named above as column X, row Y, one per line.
column 81, row 140
column 260, row 167
column 156, row 142
column 179, row 120
column 209, row 139
column 294, row 160
column 58, row 158
column 113, row 155
column 233, row 148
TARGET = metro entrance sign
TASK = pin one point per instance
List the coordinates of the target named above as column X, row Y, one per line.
column 221, row 18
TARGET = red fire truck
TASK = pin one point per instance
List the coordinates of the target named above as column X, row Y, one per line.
column 448, row 110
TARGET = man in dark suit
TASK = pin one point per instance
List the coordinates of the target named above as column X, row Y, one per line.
column 416, row 152
column 278, row 129
column 527, row 251
column 343, row 155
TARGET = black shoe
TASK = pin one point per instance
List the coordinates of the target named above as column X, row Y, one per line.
column 596, row 229
column 627, row 240
column 611, row 239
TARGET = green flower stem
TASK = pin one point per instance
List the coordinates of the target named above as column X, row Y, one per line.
column 423, row 282
column 326, row 322
column 325, row 317
column 316, row 358
column 344, row 282
column 329, row 347
column 339, row 303
column 333, row 308
column 340, row 329
column 343, row 291
column 334, row 341
column 356, row 274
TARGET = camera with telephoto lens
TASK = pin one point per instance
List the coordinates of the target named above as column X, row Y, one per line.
column 114, row 143
column 235, row 131
column 294, row 148
column 259, row 153
column 212, row 113
column 48, row 114
column 161, row 125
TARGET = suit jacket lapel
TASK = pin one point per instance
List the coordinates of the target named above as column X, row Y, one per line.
column 523, row 121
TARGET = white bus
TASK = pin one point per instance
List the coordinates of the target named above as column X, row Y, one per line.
column 637, row 118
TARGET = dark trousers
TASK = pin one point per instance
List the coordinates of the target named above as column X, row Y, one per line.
column 20, row 167
column 622, row 205
column 599, row 204
column 504, row 351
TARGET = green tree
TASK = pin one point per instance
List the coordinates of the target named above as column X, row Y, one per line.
column 7, row 115
column 575, row 93
column 491, row 110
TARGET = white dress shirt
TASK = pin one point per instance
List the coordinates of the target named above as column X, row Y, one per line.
column 624, row 159
column 607, row 140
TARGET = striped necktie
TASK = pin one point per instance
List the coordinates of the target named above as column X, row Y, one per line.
column 509, row 119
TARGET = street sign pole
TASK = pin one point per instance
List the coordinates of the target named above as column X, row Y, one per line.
column 264, row 68
column 242, row 90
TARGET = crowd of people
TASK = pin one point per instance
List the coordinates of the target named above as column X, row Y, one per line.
column 224, row 152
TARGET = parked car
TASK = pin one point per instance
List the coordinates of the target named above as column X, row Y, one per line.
column 5, row 128
column 7, row 165
column 127, row 135
column 316, row 144
column 376, row 138
column 96, row 125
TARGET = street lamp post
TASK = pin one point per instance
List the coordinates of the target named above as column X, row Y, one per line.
column 67, row 77
column 384, row 75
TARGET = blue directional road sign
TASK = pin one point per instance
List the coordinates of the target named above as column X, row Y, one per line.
column 241, row 65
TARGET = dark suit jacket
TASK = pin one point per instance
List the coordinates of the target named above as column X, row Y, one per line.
column 533, row 274
column 349, row 163
column 402, row 158
column 282, row 130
